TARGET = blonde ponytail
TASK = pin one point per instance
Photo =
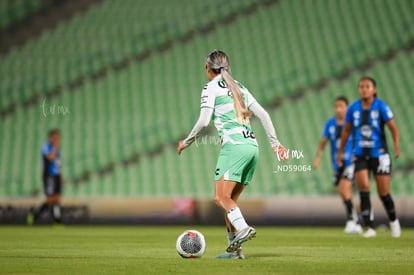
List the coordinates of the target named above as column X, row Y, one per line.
column 242, row 113
column 219, row 63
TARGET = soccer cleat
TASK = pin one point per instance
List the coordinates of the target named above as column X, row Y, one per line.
column 242, row 236
column 371, row 233
column 352, row 227
column 358, row 229
column 395, row 228
column 240, row 253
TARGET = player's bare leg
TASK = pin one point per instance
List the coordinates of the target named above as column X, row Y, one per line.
column 227, row 193
column 231, row 231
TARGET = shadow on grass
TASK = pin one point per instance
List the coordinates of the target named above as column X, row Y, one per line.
column 274, row 255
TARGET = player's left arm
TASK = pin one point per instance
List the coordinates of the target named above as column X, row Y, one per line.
column 266, row 121
column 395, row 137
column 388, row 116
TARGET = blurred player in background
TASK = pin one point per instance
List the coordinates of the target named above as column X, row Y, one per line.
column 230, row 105
column 342, row 175
column 52, row 179
column 365, row 120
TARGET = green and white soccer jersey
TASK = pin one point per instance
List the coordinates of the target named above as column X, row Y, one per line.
column 217, row 96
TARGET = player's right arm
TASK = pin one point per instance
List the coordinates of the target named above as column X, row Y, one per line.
column 203, row 121
column 344, row 138
column 321, row 147
column 50, row 154
column 206, row 111
column 346, row 131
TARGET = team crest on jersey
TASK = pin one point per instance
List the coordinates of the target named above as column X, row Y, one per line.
column 366, row 131
column 374, row 114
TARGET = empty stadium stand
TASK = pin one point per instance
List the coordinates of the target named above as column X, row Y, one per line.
column 124, row 90
column 14, row 10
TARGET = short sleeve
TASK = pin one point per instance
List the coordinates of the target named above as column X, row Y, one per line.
column 386, row 113
column 348, row 116
column 46, row 149
column 207, row 98
column 325, row 132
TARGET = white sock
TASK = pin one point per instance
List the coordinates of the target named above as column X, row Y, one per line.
column 56, row 211
column 236, row 218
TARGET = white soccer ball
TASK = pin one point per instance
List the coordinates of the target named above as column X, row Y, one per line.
column 191, row 244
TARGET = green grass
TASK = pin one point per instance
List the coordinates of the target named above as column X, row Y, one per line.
column 151, row 250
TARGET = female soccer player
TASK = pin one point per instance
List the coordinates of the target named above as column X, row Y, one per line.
column 342, row 175
column 230, row 104
column 52, row 179
column 366, row 119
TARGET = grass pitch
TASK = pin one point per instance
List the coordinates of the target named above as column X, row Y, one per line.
column 151, row 250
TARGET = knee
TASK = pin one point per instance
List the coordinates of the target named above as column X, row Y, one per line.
column 217, row 200
column 383, row 193
column 344, row 194
column 220, row 199
column 364, row 187
column 53, row 200
column 341, row 187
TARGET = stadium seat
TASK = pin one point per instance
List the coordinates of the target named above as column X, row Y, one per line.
column 12, row 11
column 147, row 106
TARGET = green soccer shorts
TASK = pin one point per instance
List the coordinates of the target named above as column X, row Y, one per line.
column 237, row 162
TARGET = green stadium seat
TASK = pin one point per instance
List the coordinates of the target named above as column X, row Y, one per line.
column 152, row 104
column 12, row 11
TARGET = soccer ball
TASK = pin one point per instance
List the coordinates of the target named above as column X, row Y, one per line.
column 191, row 244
